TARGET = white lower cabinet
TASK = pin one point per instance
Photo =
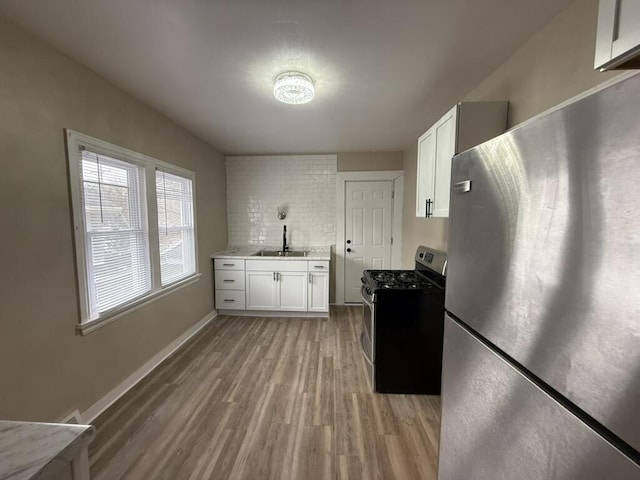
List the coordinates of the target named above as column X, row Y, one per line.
column 261, row 290
column 229, row 284
column 277, row 285
column 277, row 290
column 292, row 291
column 318, row 296
column 285, row 291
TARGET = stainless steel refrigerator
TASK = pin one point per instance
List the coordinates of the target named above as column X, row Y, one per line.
column 541, row 371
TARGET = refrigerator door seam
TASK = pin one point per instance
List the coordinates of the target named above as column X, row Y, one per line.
column 597, row 427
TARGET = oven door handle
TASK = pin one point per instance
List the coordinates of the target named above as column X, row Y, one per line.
column 364, row 350
column 364, row 296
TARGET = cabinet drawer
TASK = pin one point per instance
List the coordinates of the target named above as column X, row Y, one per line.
column 277, row 265
column 228, row 264
column 229, row 279
column 318, row 265
column 230, row 299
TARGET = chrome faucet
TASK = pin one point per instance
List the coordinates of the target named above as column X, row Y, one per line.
column 285, row 247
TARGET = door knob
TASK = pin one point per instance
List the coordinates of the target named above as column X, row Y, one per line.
column 348, row 241
column 348, row 250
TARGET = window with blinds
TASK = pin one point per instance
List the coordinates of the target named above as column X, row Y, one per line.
column 175, row 227
column 135, row 231
column 116, row 238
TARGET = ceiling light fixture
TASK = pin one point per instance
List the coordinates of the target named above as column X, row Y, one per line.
column 293, row 87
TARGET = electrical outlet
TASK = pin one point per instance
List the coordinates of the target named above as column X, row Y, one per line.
column 329, row 228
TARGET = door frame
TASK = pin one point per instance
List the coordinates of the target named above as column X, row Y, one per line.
column 395, row 176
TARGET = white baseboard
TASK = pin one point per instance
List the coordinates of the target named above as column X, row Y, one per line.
column 105, row 402
column 272, row 313
column 74, row 418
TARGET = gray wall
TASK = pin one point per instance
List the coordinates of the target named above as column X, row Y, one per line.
column 553, row 66
column 46, row 369
column 369, row 161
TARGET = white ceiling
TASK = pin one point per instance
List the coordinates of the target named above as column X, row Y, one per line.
column 384, row 69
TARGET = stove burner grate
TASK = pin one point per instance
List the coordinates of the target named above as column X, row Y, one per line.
column 397, row 280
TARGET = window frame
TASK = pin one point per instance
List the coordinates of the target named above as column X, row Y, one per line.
column 76, row 142
column 175, row 229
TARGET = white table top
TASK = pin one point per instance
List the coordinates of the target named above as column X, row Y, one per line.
column 26, row 448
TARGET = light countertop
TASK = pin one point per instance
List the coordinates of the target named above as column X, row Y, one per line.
column 249, row 253
column 26, row 448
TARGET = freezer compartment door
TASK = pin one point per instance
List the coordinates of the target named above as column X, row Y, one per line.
column 496, row 424
column 544, row 249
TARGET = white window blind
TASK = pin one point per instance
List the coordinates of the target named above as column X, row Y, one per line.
column 175, row 226
column 116, row 236
column 134, row 228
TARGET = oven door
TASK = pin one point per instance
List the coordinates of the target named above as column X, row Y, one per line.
column 367, row 336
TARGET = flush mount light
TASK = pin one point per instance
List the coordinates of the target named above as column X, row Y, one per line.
column 293, row 87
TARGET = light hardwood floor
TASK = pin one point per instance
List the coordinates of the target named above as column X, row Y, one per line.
column 267, row 398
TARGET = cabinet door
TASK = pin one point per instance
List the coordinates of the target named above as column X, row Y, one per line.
column 445, row 150
column 618, row 37
column 261, row 291
column 292, row 291
column 318, row 297
column 425, row 171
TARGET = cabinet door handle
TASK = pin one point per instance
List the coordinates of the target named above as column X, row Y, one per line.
column 228, row 281
column 310, row 275
column 229, row 300
column 228, row 264
column 318, row 266
column 274, row 276
column 427, row 209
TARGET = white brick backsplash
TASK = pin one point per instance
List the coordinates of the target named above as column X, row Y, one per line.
column 304, row 185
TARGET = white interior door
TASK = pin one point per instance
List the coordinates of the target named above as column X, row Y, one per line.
column 368, row 215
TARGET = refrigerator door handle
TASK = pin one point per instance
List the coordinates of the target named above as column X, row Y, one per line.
column 462, row 187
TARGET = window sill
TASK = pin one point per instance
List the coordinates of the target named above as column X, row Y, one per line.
column 91, row 326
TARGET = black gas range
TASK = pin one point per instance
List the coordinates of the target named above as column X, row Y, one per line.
column 402, row 328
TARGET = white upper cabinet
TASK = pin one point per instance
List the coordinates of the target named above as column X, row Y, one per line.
column 464, row 126
column 435, row 145
column 618, row 37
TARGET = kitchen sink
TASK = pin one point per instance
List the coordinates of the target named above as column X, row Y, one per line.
column 280, row 253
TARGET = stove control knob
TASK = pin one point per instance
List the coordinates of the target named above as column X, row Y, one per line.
column 421, row 255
